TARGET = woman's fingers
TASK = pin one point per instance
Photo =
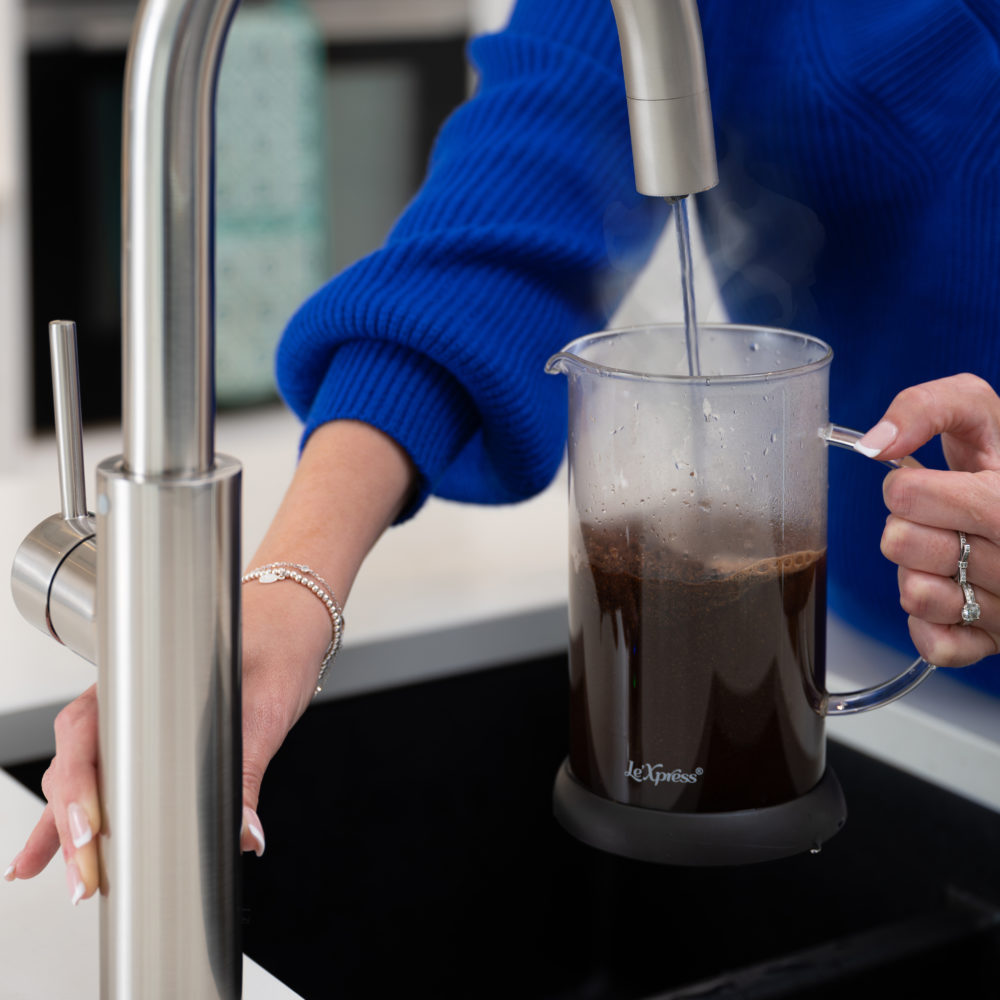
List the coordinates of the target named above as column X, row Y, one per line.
column 39, row 850
column 268, row 715
column 960, row 501
column 928, row 564
column 265, row 726
column 939, row 600
column 963, row 409
column 952, row 645
column 929, row 508
column 70, row 785
column 251, row 833
column 285, row 635
column 936, row 550
column 72, row 819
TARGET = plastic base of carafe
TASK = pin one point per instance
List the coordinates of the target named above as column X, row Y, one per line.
column 722, row 838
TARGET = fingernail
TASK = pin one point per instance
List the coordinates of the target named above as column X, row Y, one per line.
column 11, row 873
column 76, row 886
column 79, row 825
column 251, row 823
column 877, row 439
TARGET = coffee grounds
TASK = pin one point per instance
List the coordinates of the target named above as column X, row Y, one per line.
column 694, row 685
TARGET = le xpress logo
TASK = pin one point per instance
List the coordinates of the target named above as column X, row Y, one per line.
column 657, row 773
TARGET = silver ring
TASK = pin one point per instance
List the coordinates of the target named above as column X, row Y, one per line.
column 971, row 611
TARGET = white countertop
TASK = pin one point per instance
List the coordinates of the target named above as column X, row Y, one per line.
column 458, row 587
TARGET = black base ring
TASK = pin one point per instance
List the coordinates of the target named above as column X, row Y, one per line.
column 723, row 838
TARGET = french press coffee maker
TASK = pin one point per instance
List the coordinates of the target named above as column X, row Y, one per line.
column 697, row 545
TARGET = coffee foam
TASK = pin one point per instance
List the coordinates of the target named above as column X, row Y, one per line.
column 725, row 568
column 616, row 548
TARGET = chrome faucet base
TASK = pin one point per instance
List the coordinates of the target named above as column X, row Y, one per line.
column 169, row 688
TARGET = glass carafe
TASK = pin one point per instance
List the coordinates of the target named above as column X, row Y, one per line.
column 698, row 584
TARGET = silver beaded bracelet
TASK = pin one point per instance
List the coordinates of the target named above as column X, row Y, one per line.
column 273, row 572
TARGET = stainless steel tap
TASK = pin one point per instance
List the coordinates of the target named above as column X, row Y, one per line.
column 670, row 115
column 154, row 596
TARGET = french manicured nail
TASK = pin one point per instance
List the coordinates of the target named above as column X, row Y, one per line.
column 76, row 886
column 877, row 439
column 11, row 873
column 79, row 825
column 251, row 823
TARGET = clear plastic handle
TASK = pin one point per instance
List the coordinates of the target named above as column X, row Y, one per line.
column 852, row 702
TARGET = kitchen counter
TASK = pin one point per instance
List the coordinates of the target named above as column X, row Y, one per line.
column 456, row 589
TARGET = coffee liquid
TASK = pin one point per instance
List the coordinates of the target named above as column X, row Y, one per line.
column 695, row 686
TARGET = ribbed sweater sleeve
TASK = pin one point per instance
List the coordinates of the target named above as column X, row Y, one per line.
column 859, row 200
column 507, row 253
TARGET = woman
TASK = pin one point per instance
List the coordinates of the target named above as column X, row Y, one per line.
column 856, row 203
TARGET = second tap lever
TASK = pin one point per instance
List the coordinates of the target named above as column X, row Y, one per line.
column 69, row 423
column 54, row 577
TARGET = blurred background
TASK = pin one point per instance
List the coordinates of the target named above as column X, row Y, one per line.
column 327, row 112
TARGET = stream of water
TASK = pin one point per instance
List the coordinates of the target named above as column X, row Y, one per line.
column 687, row 284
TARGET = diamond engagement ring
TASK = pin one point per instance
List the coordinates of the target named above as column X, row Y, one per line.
column 971, row 611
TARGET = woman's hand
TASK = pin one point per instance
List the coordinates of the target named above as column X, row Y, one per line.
column 928, row 508
column 72, row 818
column 351, row 483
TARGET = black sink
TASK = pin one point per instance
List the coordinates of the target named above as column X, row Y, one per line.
column 411, row 848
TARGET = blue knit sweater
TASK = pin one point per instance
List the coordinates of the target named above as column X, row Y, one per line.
column 859, row 153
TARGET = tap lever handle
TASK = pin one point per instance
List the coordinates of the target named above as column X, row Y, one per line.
column 69, row 423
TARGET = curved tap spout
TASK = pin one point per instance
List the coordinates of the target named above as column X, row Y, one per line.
column 168, row 402
column 673, row 144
